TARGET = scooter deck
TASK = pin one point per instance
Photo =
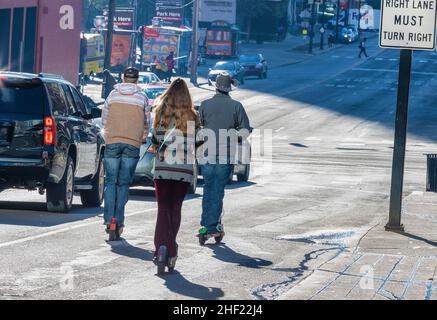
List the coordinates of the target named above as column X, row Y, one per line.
column 211, row 235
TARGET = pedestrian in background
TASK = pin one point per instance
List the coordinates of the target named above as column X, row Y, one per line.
column 173, row 116
column 125, row 118
column 220, row 114
column 362, row 47
column 170, row 62
column 330, row 40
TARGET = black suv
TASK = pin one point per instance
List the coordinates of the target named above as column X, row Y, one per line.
column 48, row 141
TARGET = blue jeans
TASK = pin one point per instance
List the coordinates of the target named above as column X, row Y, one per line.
column 215, row 177
column 120, row 163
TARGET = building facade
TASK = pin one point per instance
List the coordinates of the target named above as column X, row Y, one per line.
column 41, row 36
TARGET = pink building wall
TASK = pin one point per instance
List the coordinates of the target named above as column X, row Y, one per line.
column 57, row 35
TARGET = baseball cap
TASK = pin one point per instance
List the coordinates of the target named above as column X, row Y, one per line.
column 131, row 73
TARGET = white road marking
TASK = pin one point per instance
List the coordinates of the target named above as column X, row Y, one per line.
column 313, row 139
column 395, row 71
column 348, row 144
column 66, row 229
column 280, row 129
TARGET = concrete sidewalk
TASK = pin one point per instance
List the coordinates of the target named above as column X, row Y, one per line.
column 373, row 263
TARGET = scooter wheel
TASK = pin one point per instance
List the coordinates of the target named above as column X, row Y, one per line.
column 112, row 236
column 218, row 239
column 162, row 260
column 202, row 240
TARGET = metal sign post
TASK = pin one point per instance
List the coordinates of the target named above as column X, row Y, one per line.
column 405, row 25
column 397, row 179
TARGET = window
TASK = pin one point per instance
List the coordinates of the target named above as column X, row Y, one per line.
column 57, row 99
column 70, row 101
column 79, row 102
column 14, row 98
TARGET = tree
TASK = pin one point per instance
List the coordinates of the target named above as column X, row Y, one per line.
column 260, row 12
column 250, row 10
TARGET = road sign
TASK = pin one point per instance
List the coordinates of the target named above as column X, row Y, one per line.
column 408, row 24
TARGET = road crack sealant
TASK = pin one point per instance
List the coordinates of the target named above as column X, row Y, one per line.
column 274, row 290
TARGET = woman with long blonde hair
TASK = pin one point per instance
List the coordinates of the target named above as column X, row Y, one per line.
column 175, row 122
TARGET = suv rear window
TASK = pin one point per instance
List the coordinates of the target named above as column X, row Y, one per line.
column 18, row 97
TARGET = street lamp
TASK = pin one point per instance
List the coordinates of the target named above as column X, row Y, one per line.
column 359, row 18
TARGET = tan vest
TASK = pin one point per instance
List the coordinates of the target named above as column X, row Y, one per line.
column 125, row 124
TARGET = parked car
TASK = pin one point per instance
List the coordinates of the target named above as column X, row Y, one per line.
column 147, row 78
column 234, row 68
column 254, row 65
column 48, row 141
column 154, row 91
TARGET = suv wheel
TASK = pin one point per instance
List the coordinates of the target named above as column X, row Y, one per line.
column 60, row 195
column 244, row 177
column 94, row 197
column 231, row 176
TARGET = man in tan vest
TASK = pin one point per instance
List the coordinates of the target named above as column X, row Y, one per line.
column 125, row 119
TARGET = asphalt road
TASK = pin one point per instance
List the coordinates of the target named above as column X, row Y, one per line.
column 332, row 121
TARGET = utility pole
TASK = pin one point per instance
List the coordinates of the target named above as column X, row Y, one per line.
column 109, row 32
column 194, row 50
column 135, row 35
column 337, row 21
column 322, row 29
column 313, row 22
column 359, row 18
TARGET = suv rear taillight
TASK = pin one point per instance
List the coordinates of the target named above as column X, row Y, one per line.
column 49, row 131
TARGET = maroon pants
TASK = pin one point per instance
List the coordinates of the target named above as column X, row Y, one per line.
column 170, row 196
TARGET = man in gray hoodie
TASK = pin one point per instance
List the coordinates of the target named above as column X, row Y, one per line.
column 227, row 119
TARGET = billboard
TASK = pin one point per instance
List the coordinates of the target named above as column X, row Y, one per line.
column 121, row 45
column 160, row 47
column 370, row 18
column 212, row 10
column 124, row 19
column 170, row 11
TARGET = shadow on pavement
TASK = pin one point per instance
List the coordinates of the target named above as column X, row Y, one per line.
column 226, row 254
column 148, row 195
column 124, row 248
column 239, row 185
column 412, row 236
column 35, row 214
column 177, row 283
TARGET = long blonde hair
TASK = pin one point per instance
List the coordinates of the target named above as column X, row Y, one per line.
column 176, row 103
